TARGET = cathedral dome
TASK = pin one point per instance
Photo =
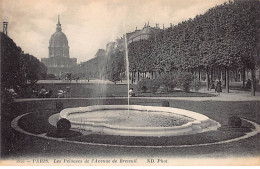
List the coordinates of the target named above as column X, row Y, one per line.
column 58, row 39
column 58, row 44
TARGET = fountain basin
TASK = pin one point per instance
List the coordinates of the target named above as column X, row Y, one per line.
column 137, row 120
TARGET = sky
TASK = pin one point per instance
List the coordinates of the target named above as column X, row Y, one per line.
column 90, row 24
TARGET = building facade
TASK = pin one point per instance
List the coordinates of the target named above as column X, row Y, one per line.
column 59, row 60
column 142, row 34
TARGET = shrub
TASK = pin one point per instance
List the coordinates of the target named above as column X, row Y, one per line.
column 162, row 89
column 181, row 79
column 154, row 85
column 184, row 80
column 165, row 103
column 234, row 121
column 50, row 76
column 168, row 81
column 148, row 84
column 63, row 125
column 142, row 85
column 59, row 105
column 196, row 85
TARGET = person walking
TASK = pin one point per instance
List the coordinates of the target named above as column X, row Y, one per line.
column 218, row 87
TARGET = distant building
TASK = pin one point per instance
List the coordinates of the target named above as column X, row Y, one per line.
column 120, row 43
column 142, row 34
column 110, row 46
column 59, row 60
column 134, row 36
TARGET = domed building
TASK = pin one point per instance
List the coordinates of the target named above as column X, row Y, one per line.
column 59, row 60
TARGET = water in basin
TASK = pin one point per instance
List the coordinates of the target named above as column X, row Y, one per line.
column 132, row 118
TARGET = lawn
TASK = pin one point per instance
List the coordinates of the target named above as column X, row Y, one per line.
column 15, row 144
column 37, row 123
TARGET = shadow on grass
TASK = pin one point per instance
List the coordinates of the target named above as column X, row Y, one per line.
column 37, row 123
column 65, row 134
column 201, row 138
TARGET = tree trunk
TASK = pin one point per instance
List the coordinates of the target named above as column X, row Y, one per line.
column 253, row 82
column 227, row 80
column 132, row 77
column 199, row 75
column 211, row 75
column 138, row 77
column 243, row 76
column 207, row 79
column 221, row 75
column 135, row 77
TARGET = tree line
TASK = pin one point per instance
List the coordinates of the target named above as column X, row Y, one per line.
column 18, row 68
column 225, row 38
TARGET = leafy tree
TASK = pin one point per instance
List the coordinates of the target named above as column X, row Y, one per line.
column 18, row 68
column 115, row 65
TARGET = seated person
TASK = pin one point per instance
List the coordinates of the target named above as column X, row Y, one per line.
column 49, row 94
column 60, row 93
column 13, row 93
column 131, row 92
column 68, row 92
column 42, row 93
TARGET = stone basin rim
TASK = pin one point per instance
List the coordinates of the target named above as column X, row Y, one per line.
column 200, row 124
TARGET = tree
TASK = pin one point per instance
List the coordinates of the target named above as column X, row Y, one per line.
column 17, row 68
column 115, row 65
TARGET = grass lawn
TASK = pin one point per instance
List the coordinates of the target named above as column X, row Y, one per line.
column 15, row 144
column 200, row 138
column 37, row 123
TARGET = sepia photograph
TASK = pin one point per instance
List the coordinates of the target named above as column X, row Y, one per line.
column 130, row 82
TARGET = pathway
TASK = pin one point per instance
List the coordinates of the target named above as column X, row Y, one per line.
column 234, row 95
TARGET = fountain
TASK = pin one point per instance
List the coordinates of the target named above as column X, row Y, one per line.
column 137, row 120
column 127, row 70
column 142, row 120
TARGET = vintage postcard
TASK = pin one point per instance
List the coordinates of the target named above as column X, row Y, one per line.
column 130, row 82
